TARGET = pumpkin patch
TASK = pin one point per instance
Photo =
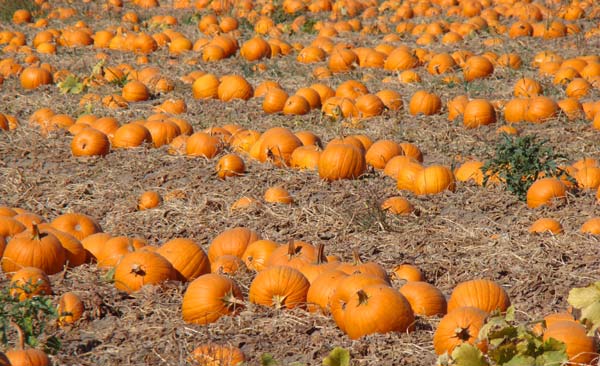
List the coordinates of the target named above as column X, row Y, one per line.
column 299, row 182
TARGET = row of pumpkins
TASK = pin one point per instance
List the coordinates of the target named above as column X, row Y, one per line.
column 358, row 295
column 342, row 158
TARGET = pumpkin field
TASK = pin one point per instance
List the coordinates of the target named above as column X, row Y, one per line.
column 299, row 182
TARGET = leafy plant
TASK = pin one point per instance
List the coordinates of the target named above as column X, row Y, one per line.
column 32, row 315
column 586, row 300
column 337, row 357
column 520, row 161
column 309, row 26
column 510, row 344
column 72, row 85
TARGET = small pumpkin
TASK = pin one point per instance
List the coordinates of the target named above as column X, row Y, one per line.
column 28, row 282
column 381, row 152
column 434, row 179
column 423, row 102
column 233, row 241
column 257, row 254
column 187, row 258
column 33, row 77
column 234, row 87
column 341, row 161
column 424, row 298
column 135, row 91
column 581, row 348
column 230, row 165
column 148, row 200
column 544, row 225
column 397, row 205
column 70, row 308
column 34, row 249
column 544, row 191
column 212, row 354
column 278, row 195
column 21, row 356
column 478, row 112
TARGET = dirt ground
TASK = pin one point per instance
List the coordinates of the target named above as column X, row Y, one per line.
column 472, row 233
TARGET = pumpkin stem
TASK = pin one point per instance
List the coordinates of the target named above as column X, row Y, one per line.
column 138, row 270
column 35, row 231
column 231, row 301
column 291, row 249
column 356, row 260
column 462, row 334
column 363, row 298
column 321, row 254
column 21, row 343
column 278, row 301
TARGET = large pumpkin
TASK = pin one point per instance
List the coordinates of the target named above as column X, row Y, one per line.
column 209, row 297
column 457, row 327
column 187, row 258
column 142, row 268
column 544, row 191
column 434, row 179
column 483, row 294
column 377, row 309
column 233, row 241
column 341, row 161
column 34, row 249
column 279, row 286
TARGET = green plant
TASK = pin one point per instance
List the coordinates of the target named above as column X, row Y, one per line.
column 309, row 26
column 509, row 343
column 72, row 85
column 586, row 302
column 32, row 315
column 521, row 160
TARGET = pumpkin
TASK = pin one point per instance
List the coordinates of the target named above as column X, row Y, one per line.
column 148, row 200
column 358, row 266
column 230, row 165
column 205, row 87
column 187, row 258
column 131, row 135
column 470, row 170
column 341, row 161
column 425, row 103
column 527, row 88
column 310, row 54
column 424, row 298
column 477, row 67
column 212, row 354
column 74, row 250
column 381, row 152
column 229, row 264
column 135, row 91
column 278, row 195
column 345, row 289
column 305, row 157
column 142, row 268
column 257, row 254
column 77, row 224
column 19, row 356
column 407, row 272
column 233, row 241
column 311, row 95
column 114, row 249
column 482, row 294
column 34, row 249
column 32, row 77
column 368, row 312
column 581, row 348
column 234, row 87
column 456, row 107
column 397, row 205
column 588, row 178
column 541, row 108
column 28, row 282
column 591, row 226
column 391, row 99
column 369, row 105
column 322, row 289
column 279, row 286
column 255, row 49
column 433, row 179
column 457, row 327
column 295, row 254
column 202, row 144
column 516, row 110
column 342, row 60
column 70, row 308
column 277, row 146
column 407, row 174
column 210, row 297
column 296, row 105
column 478, row 112
column 400, row 59
column 545, row 191
column 274, row 101
column 90, row 142
column 546, row 225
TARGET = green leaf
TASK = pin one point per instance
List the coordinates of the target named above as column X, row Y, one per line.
column 71, row 85
column 592, row 313
column 585, row 296
column 468, row 355
column 337, row 357
column 520, row 360
column 266, row 359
